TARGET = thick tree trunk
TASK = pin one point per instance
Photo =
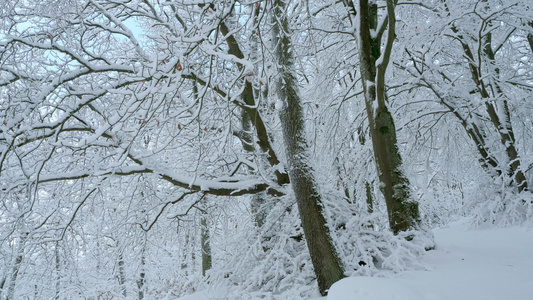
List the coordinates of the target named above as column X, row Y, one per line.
column 402, row 210
column 325, row 261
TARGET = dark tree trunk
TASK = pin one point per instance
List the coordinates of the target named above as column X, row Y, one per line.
column 206, row 247
column 58, row 270
column 530, row 37
column 325, row 261
column 122, row 275
column 402, row 210
column 141, row 280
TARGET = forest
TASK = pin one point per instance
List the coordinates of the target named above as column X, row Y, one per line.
column 150, row 149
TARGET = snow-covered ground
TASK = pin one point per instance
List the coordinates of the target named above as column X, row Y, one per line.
column 468, row 264
column 482, row 264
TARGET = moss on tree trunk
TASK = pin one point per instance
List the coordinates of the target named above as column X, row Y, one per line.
column 325, row 261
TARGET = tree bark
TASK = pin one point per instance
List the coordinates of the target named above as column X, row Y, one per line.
column 206, row 248
column 502, row 121
column 58, row 270
column 530, row 37
column 250, row 109
column 16, row 267
column 2, row 283
column 141, row 280
column 402, row 210
column 325, row 261
column 122, row 274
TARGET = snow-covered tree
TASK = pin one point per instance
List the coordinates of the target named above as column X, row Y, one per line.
column 151, row 148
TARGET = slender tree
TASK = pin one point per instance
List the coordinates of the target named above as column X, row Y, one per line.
column 487, row 81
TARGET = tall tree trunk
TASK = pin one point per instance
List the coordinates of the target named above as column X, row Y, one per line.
column 16, row 267
column 530, row 37
column 250, row 108
column 122, row 275
column 402, row 209
column 260, row 203
column 499, row 114
column 141, row 280
column 502, row 121
column 251, row 118
column 2, row 283
column 325, row 261
column 205, row 246
column 58, row 270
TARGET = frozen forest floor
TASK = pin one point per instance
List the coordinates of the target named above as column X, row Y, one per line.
column 468, row 264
